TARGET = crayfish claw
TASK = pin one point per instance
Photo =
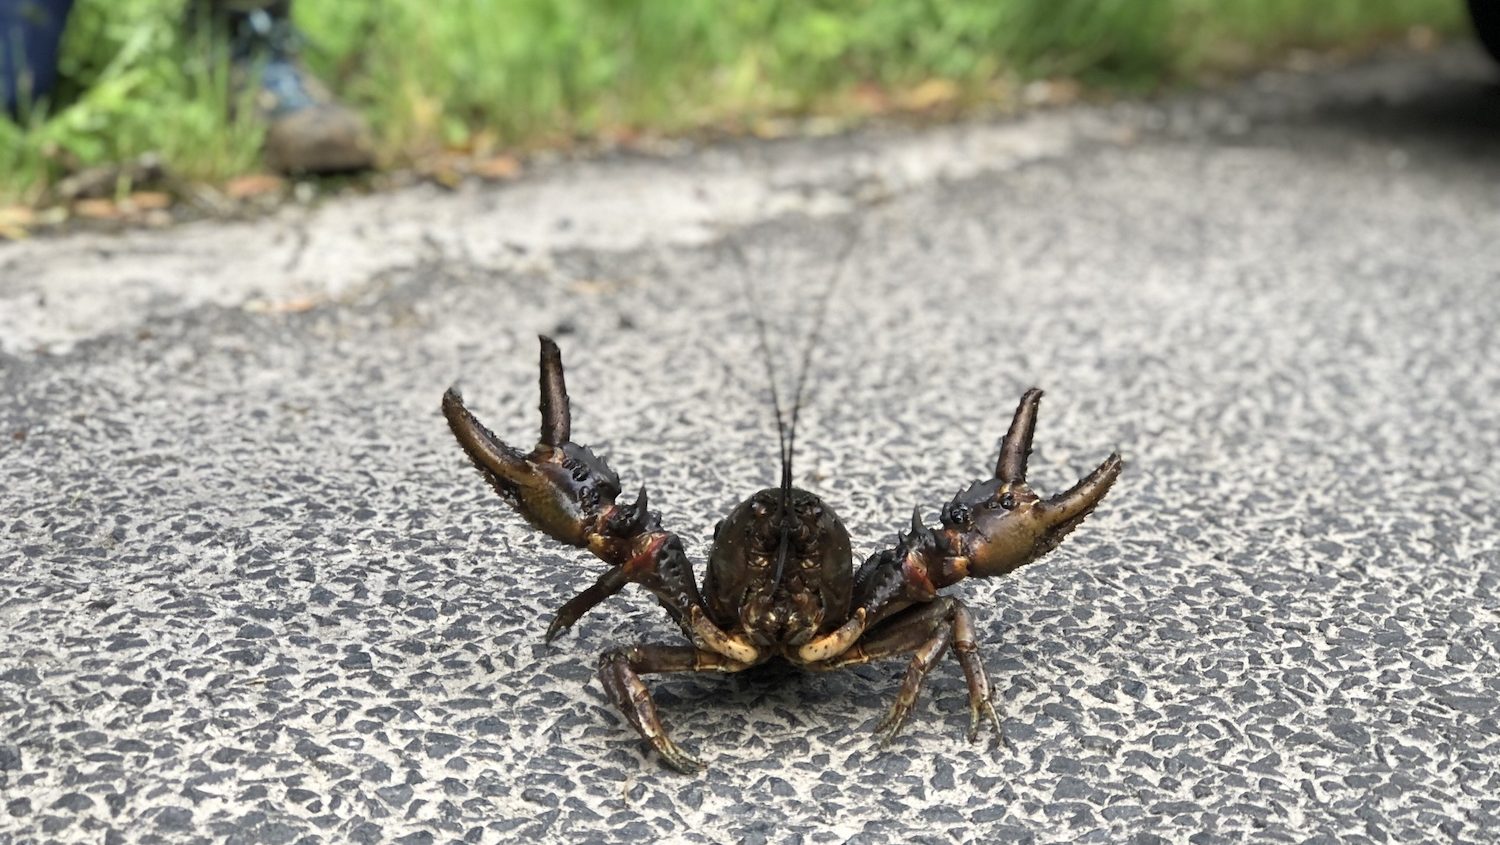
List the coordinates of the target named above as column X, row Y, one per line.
column 562, row 488
column 631, row 519
column 504, row 466
column 1078, row 501
column 556, row 418
column 1016, row 447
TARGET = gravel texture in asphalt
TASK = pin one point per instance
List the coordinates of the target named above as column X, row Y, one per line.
column 251, row 591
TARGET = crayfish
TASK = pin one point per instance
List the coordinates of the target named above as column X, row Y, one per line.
column 780, row 582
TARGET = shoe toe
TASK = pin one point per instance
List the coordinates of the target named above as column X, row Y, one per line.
column 323, row 138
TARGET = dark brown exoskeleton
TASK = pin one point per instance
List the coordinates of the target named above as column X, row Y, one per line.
column 780, row 583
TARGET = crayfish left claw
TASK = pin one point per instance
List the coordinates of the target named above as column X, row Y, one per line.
column 632, row 519
column 561, row 487
column 568, row 492
column 504, row 466
column 557, row 418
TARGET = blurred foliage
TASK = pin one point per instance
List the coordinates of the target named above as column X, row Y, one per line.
column 519, row 72
column 133, row 84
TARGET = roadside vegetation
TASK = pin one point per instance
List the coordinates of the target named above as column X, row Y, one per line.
column 486, row 77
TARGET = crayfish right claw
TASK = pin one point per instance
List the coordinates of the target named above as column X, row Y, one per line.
column 1015, row 449
column 1001, row 523
column 1078, row 501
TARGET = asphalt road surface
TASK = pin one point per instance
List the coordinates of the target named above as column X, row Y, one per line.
column 250, row 591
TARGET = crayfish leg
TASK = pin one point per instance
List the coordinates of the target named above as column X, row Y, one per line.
column 620, row 671
column 612, row 581
column 925, row 631
column 966, row 650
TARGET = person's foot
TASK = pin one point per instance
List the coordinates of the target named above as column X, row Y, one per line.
column 307, row 130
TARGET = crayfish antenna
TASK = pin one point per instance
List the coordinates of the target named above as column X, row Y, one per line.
column 786, row 427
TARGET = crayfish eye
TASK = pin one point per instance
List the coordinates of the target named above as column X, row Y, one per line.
column 1008, row 501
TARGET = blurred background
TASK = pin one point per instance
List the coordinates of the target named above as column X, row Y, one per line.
column 464, row 85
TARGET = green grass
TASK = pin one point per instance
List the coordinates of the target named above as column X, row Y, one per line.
column 132, row 85
column 431, row 75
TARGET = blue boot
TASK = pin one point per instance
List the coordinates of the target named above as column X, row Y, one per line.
column 30, row 31
column 307, row 130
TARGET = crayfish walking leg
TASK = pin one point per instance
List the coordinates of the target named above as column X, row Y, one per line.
column 620, row 670
column 925, row 631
